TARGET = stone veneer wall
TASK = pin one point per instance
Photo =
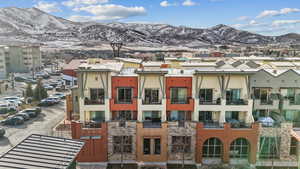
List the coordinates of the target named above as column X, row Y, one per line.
column 284, row 132
column 188, row 130
column 115, row 130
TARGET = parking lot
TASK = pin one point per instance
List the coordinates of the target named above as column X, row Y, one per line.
column 43, row 124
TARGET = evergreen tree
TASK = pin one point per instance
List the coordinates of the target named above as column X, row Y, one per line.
column 40, row 92
column 29, row 91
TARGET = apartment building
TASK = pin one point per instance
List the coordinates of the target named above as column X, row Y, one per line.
column 20, row 59
column 3, row 73
column 156, row 114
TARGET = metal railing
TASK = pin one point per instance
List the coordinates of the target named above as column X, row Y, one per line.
column 210, row 102
column 151, row 124
column 91, row 124
column 237, row 102
column 94, row 102
column 212, row 125
column 153, row 102
column 180, row 101
column 266, row 102
column 125, row 101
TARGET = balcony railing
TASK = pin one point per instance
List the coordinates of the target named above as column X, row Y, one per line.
column 151, row 102
column 210, row 102
column 212, row 125
column 240, row 124
column 266, row 102
column 180, row 101
column 151, row 124
column 92, row 124
column 129, row 101
column 237, row 102
column 94, row 102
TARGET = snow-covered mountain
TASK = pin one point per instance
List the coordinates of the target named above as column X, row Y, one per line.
column 34, row 25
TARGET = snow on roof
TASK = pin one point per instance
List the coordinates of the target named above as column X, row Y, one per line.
column 282, row 64
column 204, row 64
column 74, row 64
column 155, row 64
column 276, row 72
column 109, row 66
column 132, row 60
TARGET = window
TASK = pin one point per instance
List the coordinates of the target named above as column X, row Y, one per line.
column 125, row 115
column 122, row 144
column 151, row 96
column 232, row 115
column 153, row 116
column 177, row 116
column 157, row 146
column 147, row 146
column 212, row 148
column 151, row 146
column 263, row 94
column 269, row 147
column 233, row 95
column 97, row 116
column 124, row 95
column 97, row 96
column 206, row 95
column 178, row 95
column 181, row 142
column 293, row 147
column 205, row 116
column 239, row 148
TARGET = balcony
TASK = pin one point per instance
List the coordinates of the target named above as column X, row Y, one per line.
column 237, row 102
column 94, row 102
column 266, row 104
column 212, row 124
column 210, row 102
column 291, row 104
column 91, row 125
column 117, row 105
column 151, row 124
column 183, row 105
column 151, row 102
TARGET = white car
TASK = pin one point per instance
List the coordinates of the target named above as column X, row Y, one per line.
column 13, row 98
column 8, row 105
column 266, row 121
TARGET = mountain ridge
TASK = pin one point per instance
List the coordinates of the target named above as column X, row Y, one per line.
column 34, row 25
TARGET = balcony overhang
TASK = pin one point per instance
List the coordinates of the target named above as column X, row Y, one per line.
column 151, row 71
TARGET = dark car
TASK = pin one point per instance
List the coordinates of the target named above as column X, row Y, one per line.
column 31, row 112
column 20, row 79
column 46, row 102
column 13, row 120
column 59, row 95
column 23, row 115
column 2, row 132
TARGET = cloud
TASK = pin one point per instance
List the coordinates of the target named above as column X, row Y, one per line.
column 47, row 7
column 250, row 24
column 108, row 12
column 189, row 3
column 283, row 11
column 277, row 23
column 167, row 4
column 72, row 3
column 242, row 18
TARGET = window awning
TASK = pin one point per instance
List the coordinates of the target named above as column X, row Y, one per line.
column 41, row 152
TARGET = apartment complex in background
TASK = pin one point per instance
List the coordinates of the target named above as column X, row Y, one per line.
column 21, row 59
column 197, row 112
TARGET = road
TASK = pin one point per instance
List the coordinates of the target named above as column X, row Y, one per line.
column 43, row 124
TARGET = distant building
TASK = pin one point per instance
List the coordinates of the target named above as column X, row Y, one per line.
column 3, row 73
column 69, row 72
column 22, row 59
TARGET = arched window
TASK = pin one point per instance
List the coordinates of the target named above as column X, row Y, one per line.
column 212, row 148
column 239, row 148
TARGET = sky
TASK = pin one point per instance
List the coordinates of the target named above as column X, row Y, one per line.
column 267, row 17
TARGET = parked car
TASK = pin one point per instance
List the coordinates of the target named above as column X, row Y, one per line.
column 23, row 115
column 13, row 120
column 266, row 121
column 7, row 106
column 46, row 102
column 48, row 87
column 59, row 95
column 2, row 132
column 14, row 98
column 56, row 100
column 31, row 112
column 20, row 79
column 32, row 81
